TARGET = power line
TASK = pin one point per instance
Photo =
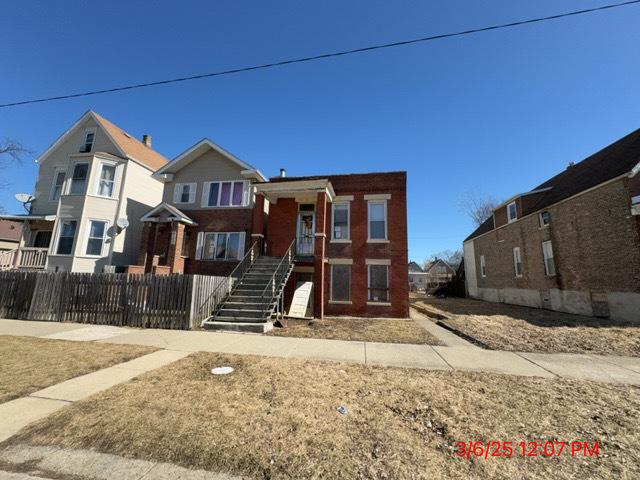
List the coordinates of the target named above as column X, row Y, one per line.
column 326, row 55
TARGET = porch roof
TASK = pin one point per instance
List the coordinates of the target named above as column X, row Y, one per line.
column 301, row 190
column 22, row 218
column 174, row 215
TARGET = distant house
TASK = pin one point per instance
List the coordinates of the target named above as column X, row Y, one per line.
column 571, row 244
column 438, row 273
column 417, row 277
column 93, row 185
column 9, row 234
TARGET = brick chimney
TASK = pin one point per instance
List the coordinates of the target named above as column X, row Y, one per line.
column 146, row 139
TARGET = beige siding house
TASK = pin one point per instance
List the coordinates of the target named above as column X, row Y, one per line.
column 93, row 185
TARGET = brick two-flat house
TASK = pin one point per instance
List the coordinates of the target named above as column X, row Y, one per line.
column 94, row 182
column 348, row 232
column 571, row 244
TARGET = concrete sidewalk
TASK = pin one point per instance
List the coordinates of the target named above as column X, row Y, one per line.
column 611, row 369
column 16, row 414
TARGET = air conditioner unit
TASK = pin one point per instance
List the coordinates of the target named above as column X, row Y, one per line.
column 109, row 269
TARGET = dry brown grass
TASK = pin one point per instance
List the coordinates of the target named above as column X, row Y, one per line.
column 277, row 418
column 31, row 364
column 387, row 330
column 515, row 328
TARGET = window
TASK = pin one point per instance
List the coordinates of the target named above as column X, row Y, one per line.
column 89, row 137
column 225, row 194
column 220, row 246
column 545, row 218
column 517, row 262
column 378, row 283
column 512, row 212
column 340, row 283
column 58, row 184
column 377, row 220
column 483, row 268
column 547, row 254
column 106, row 180
column 79, row 178
column 66, row 237
column 340, row 221
column 184, row 193
column 95, row 240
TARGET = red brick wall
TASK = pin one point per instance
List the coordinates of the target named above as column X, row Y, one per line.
column 282, row 229
column 281, row 226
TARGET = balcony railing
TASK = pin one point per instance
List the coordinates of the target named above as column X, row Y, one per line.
column 32, row 258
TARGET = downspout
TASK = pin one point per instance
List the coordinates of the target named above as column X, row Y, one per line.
column 118, row 208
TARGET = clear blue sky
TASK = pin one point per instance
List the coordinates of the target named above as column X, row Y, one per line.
column 497, row 112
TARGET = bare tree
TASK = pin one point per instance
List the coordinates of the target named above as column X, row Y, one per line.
column 452, row 257
column 477, row 206
column 11, row 152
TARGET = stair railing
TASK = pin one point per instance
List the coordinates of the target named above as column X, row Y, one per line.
column 272, row 291
column 213, row 302
column 7, row 259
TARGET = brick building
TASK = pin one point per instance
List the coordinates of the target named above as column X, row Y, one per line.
column 348, row 232
column 571, row 244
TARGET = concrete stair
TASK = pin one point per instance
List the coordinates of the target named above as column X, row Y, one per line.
column 243, row 310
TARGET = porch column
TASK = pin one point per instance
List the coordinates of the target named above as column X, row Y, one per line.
column 320, row 239
column 174, row 256
column 257, row 223
column 148, row 245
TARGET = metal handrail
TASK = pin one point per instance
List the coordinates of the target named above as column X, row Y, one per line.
column 271, row 284
column 242, row 266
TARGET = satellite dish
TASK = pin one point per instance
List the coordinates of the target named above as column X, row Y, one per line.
column 24, row 197
column 122, row 223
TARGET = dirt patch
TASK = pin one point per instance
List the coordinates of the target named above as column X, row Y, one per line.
column 514, row 328
column 278, row 418
column 31, row 364
column 388, row 330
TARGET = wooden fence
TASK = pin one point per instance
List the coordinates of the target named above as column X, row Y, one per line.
column 148, row 301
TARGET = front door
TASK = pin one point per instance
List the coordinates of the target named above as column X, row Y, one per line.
column 306, row 230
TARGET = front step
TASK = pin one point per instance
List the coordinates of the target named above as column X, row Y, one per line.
column 241, row 312
column 243, row 327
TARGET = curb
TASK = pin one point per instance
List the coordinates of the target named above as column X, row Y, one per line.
column 463, row 335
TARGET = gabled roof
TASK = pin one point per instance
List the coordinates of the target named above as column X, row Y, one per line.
column 131, row 146
column 441, row 262
column 127, row 145
column 201, row 147
column 620, row 158
column 152, row 215
column 414, row 268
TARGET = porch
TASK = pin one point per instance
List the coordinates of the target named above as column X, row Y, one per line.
column 35, row 242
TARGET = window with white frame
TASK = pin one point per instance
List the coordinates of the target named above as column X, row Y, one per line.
column 483, row 268
column 517, row 262
column 106, row 180
column 220, row 245
column 547, row 254
column 512, row 212
column 58, row 185
column 95, row 237
column 340, row 283
column 89, row 138
column 79, row 179
column 377, row 211
column 378, row 290
column 66, row 236
column 184, row 193
column 225, row 194
column 545, row 219
column 340, row 218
